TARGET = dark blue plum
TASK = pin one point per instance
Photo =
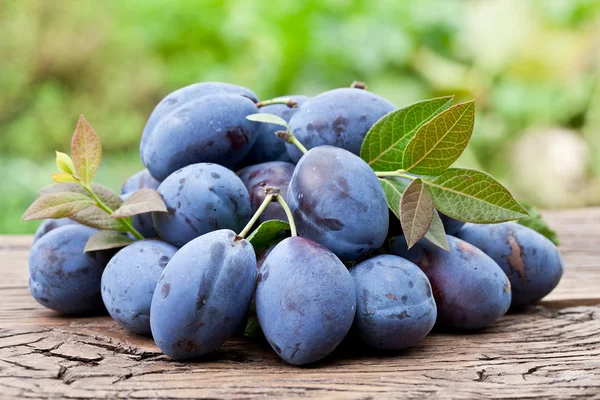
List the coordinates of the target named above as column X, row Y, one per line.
column 129, row 280
column 64, row 278
column 451, row 225
column 139, row 180
column 203, row 295
column 49, row 224
column 305, row 300
column 267, row 146
column 470, row 289
column 201, row 198
column 533, row 263
column 337, row 201
column 395, row 307
column 205, row 122
column 256, row 177
column 339, row 117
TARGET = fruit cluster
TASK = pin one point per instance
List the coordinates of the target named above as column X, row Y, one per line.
column 344, row 216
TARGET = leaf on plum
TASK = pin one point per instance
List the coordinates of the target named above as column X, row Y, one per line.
column 393, row 187
column 94, row 217
column 60, row 177
column 64, row 163
column 536, row 222
column 140, row 202
column 267, row 233
column 86, row 151
column 416, row 212
column 268, row 119
column 108, row 197
column 436, row 233
column 57, row 205
column 105, row 240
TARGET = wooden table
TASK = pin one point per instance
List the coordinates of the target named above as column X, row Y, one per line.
column 550, row 351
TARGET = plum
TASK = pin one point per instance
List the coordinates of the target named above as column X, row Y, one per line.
column 470, row 289
column 532, row 262
column 129, row 280
column 337, row 201
column 451, row 225
column 64, row 278
column 256, row 177
column 203, row 295
column 267, row 146
column 139, row 180
column 205, row 122
column 201, row 198
column 49, row 224
column 339, row 117
column 305, row 300
column 395, row 307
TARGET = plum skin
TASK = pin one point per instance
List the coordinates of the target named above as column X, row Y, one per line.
column 532, row 262
column 471, row 291
column 201, row 198
column 64, row 278
column 339, row 117
column 267, row 146
column 395, row 306
column 50, row 224
column 305, row 300
column 205, row 122
column 337, row 201
column 129, row 280
column 203, row 295
column 451, row 225
column 256, row 177
column 141, row 180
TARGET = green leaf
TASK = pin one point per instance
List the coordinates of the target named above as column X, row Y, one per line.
column 416, row 212
column 63, row 177
column 57, row 205
column 86, row 151
column 536, row 222
column 267, row 233
column 140, row 202
column 94, row 217
column 473, row 196
column 386, row 141
column 439, row 143
column 436, row 233
column 268, row 119
column 393, row 188
column 107, row 196
column 105, row 240
column 64, row 163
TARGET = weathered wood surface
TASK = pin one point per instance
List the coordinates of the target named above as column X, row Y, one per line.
column 550, row 351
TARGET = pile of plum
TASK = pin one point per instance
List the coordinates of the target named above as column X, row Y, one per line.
column 347, row 273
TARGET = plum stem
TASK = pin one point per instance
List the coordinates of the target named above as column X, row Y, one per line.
column 289, row 137
column 123, row 221
column 291, row 103
column 268, row 198
column 400, row 173
column 288, row 214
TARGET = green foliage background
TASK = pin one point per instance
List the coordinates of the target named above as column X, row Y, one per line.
column 532, row 67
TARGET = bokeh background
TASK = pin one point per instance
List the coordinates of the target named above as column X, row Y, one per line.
column 532, row 66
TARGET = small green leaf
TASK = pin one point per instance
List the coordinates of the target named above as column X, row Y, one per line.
column 416, row 212
column 385, row 143
column 436, row 233
column 268, row 119
column 63, row 178
column 473, row 196
column 393, row 188
column 439, row 143
column 57, row 205
column 536, row 222
column 140, row 202
column 64, row 163
column 107, row 196
column 105, row 240
column 86, row 150
column 267, row 233
column 94, row 217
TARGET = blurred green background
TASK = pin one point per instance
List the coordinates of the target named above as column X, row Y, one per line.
column 532, row 67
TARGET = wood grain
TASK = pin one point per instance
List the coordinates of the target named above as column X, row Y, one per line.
column 549, row 351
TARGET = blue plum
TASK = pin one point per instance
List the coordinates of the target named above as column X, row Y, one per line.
column 339, row 117
column 267, row 146
column 203, row 295
column 305, row 300
column 139, row 180
column 451, row 225
column 49, row 224
column 256, row 177
column 533, row 263
column 205, row 122
column 395, row 307
column 64, row 278
column 337, row 201
column 129, row 280
column 201, row 198
column 470, row 289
